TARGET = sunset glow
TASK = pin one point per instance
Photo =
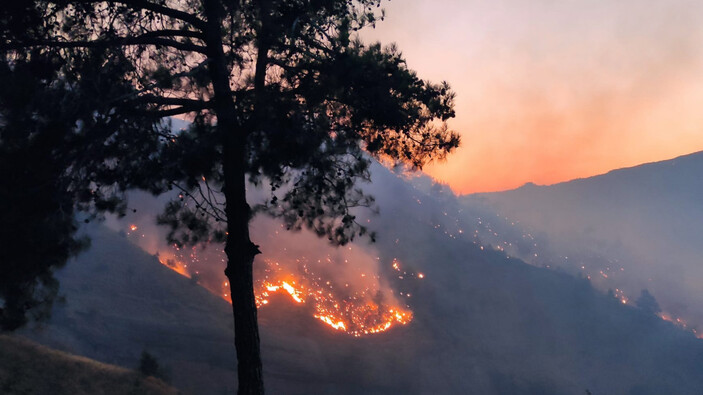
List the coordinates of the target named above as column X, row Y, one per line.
column 617, row 86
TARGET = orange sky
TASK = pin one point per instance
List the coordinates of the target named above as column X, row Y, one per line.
column 551, row 91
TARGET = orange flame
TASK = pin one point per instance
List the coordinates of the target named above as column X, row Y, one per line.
column 680, row 322
column 353, row 316
column 357, row 314
column 175, row 265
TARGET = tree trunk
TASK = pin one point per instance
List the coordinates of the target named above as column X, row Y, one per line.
column 239, row 248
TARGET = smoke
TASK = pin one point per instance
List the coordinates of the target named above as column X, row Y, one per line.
column 625, row 231
column 482, row 320
column 343, row 284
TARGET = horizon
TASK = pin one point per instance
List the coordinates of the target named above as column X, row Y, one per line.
column 569, row 180
column 548, row 93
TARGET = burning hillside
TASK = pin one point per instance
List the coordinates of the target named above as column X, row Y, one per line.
column 361, row 307
column 344, row 286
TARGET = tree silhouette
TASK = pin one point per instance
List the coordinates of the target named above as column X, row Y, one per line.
column 38, row 229
column 149, row 366
column 647, row 303
column 49, row 168
column 279, row 93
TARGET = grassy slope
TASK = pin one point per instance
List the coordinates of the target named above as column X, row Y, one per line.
column 29, row 368
column 121, row 301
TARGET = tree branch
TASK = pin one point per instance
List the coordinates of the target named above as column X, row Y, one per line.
column 172, row 101
column 172, row 111
column 160, row 9
column 105, row 43
column 174, row 33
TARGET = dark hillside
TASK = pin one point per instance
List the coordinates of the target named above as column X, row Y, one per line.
column 29, row 368
column 483, row 323
column 630, row 229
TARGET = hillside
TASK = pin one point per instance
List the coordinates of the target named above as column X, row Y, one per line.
column 483, row 322
column 120, row 301
column 630, row 229
column 29, row 368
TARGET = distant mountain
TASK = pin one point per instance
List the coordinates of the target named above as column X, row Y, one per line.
column 630, row 229
column 483, row 322
column 29, row 368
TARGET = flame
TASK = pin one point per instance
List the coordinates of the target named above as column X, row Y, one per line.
column 345, row 308
column 357, row 314
column 339, row 325
column 620, row 295
column 294, row 293
column 268, row 287
column 395, row 265
column 174, row 264
column 680, row 322
column 675, row 320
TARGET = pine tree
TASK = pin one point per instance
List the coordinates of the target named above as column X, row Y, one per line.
column 50, row 167
column 280, row 93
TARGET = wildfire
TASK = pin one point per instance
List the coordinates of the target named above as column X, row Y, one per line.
column 681, row 323
column 620, row 295
column 674, row 320
column 339, row 325
column 176, row 266
column 268, row 287
column 357, row 313
column 355, row 308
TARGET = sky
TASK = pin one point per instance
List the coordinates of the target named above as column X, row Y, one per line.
column 549, row 91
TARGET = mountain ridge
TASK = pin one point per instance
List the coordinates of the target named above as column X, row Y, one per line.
column 646, row 222
column 694, row 156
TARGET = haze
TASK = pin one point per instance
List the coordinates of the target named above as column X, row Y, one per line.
column 552, row 91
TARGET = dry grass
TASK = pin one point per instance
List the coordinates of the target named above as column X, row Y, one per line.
column 27, row 368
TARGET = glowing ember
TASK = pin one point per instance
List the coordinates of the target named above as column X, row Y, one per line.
column 175, row 265
column 672, row 319
column 294, row 293
column 357, row 314
column 356, row 302
column 330, row 321
column 133, row 227
column 620, row 295
column 680, row 323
